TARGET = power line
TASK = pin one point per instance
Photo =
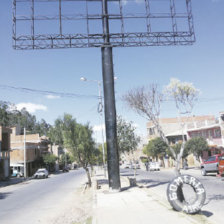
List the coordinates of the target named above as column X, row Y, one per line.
column 48, row 92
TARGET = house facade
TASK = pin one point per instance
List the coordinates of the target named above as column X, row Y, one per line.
column 4, row 153
column 35, row 147
column 175, row 128
column 208, row 127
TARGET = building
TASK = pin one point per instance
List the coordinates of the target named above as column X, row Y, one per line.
column 35, row 146
column 57, row 151
column 207, row 126
column 175, row 128
column 4, row 153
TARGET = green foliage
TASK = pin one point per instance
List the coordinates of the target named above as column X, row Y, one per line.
column 9, row 116
column 100, row 156
column 56, row 133
column 196, row 146
column 144, row 160
column 155, row 148
column 127, row 140
column 42, row 127
column 4, row 114
column 49, row 159
column 75, row 137
column 66, row 158
column 176, row 149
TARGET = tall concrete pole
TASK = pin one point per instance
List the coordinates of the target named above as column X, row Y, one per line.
column 25, row 175
column 109, row 105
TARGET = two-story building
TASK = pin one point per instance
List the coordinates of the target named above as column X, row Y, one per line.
column 175, row 128
column 4, row 153
column 207, row 127
column 34, row 145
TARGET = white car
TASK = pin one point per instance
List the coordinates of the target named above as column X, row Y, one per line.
column 41, row 173
column 154, row 166
column 126, row 165
column 136, row 166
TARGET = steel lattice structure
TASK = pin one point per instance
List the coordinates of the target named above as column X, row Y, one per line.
column 106, row 24
column 87, row 20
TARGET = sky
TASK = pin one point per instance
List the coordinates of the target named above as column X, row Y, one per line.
column 201, row 64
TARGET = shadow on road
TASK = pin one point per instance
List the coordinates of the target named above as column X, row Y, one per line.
column 129, row 175
column 151, row 183
column 4, row 195
column 102, row 181
column 206, row 213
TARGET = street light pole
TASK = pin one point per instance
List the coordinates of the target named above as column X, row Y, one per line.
column 100, row 111
column 24, row 152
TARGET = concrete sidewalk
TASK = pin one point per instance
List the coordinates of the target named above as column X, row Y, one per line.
column 134, row 206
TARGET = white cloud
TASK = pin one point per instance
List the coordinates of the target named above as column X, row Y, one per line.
column 52, row 97
column 31, row 107
column 98, row 128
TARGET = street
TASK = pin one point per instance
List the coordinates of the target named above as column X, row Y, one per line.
column 50, row 200
column 39, row 200
column 157, row 181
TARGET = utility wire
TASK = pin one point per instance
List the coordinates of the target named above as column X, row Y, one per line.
column 47, row 92
column 75, row 95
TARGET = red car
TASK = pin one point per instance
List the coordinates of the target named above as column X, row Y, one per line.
column 211, row 165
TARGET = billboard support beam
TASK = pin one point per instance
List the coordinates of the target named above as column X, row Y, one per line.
column 109, row 105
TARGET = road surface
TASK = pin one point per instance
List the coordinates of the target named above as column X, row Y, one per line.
column 214, row 186
column 39, row 200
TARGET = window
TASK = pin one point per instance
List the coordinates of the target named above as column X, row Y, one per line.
column 151, row 131
column 217, row 133
column 210, row 133
column 204, row 134
column 211, row 159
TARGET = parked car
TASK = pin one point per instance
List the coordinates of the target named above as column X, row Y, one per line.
column 136, row 166
column 126, row 165
column 211, row 165
column 154, row 166
column 41, row 173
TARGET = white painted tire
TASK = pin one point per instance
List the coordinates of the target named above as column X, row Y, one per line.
column 176, row 198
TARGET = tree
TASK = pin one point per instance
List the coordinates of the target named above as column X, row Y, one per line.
column 49, row 160
column 177, row 147
column 184, row 95
column 127, row 140
column 55, row 132
column 196, row 146
column 156, row 148
column 77, row 138
column 147, row 101
column 100, row 156
column 65, row 158
column 10, row 116
column 42, row 127
column 4, row 113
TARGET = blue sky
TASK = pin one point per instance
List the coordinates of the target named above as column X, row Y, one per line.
column 60, row 70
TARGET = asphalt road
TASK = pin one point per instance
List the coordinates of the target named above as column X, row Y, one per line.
column 214, row 186
column 34, row 200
